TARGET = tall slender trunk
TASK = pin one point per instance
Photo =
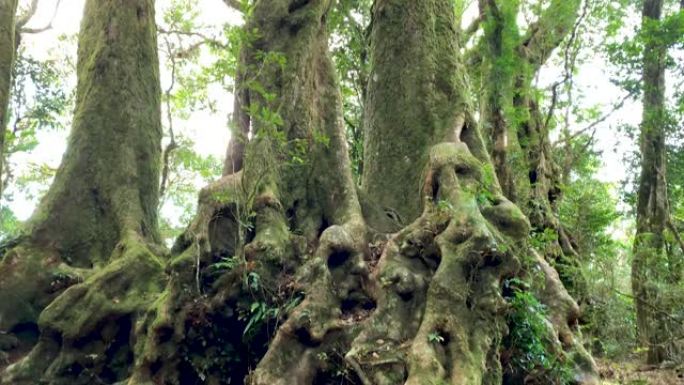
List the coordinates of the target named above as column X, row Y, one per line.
column 508, row 66
column 652, row 207
column 8, row 10
column 501, row 67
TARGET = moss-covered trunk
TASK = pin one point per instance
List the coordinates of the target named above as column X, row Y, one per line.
column 96, row 227
column 107, row 185
column 649, row 266
column 407, row 291
column 501, row 66
column 413, row 92
column 508, row 61
column 8, row 9
column 468, row 276
column 515, row 128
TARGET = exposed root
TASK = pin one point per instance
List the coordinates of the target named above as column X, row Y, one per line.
column 440, row 310
column 30, row 278
column 339, row 275
column 85, row 331
column 429, row 310
column 564, row 314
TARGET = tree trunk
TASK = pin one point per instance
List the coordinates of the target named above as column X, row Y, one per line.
column 500, row 66
column 284, row 276
column 508, row 65
column 415, row 100
column 8, row 10
column 516, row 128
column 648, row 265
column 97, row 225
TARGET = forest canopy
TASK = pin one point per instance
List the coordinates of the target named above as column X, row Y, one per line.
column 366, row 192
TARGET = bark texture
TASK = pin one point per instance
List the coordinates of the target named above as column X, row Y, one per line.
column 8, row 10
column 306, row 238
column 113, row 125
column 371, row 298
column 413, row 92
column 508, row 62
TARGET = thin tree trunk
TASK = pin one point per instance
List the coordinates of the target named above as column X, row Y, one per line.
column 240, row 123
column 652, row 210
column 513, row 122
column 500, row 67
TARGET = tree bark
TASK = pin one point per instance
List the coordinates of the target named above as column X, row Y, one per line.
column 648, row 264
column 8, row 10
column 240, row 124
column 113, row 125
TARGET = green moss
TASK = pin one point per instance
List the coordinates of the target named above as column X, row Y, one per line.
column 126, row 286
column 107, row 183
column 24, row 280
column 415, row 64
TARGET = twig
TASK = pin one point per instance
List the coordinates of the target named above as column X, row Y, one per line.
column 472, row 28
column 595, row 123
column 23, row 19
column 186, row 52
column 567, row 67
column 648, row 304
column 41, row 29
column 673, row 228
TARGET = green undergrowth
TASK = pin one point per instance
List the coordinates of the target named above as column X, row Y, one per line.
column 226, row 343
column 528, row 345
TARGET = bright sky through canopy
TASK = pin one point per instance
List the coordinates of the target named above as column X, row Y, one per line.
column 208, row 129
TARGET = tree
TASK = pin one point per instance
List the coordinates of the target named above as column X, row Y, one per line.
column 289, row 273
column 511, row 114
column 97, row 225
column 652, row 268
column 508, row 61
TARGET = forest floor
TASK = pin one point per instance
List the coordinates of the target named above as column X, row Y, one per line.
column 612, row 373
column 634, row 373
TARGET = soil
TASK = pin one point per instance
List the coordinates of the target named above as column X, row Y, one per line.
column 635, row 373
